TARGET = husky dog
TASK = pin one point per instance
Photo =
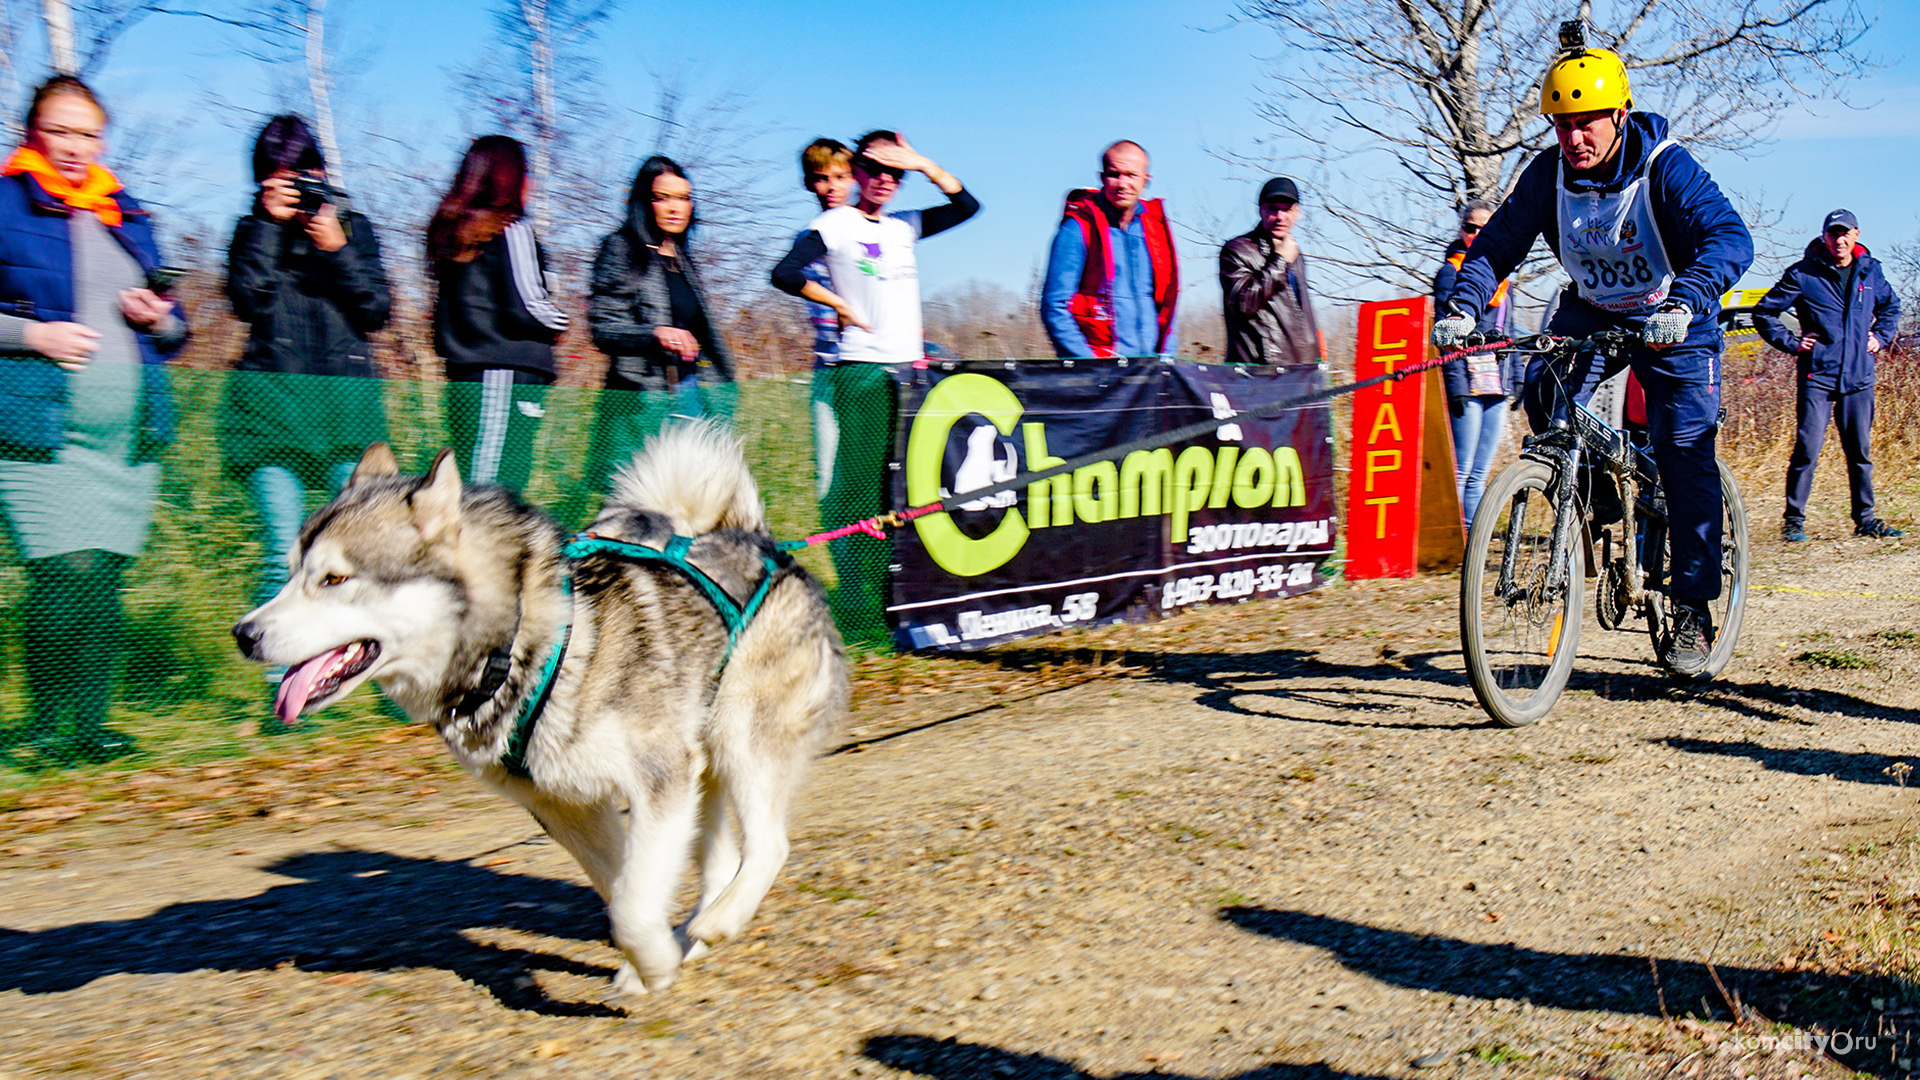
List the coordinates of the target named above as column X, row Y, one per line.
column 453, row 600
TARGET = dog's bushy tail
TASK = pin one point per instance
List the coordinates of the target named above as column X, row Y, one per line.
column 695, row 473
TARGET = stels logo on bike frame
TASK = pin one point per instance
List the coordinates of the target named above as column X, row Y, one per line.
column 1247, row 512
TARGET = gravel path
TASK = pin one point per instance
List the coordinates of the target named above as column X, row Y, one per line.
column 1266, row 842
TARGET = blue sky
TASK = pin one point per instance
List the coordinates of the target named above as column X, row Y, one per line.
column 1015, row 98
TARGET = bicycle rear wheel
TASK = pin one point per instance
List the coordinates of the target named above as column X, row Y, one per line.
column 1519, row 634
column 1730, row 609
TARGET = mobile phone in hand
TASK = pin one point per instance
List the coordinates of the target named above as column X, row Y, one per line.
column 162, row 279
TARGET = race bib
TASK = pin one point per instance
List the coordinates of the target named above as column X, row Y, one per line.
column 1610, row 244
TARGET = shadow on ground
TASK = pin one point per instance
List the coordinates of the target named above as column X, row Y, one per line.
column 947, row 1059
column 1611, row 982
column 351, row 911
column 1860, row 768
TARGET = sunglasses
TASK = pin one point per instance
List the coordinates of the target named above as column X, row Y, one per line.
column 874, row 168
column 1469, row 229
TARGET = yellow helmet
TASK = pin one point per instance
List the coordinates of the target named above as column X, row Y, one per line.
column 1585, row 81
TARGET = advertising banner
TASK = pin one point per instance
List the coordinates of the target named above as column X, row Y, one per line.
column 1391, row 444
column 1246, row 511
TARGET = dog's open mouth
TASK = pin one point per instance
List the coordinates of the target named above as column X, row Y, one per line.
column 317, row 679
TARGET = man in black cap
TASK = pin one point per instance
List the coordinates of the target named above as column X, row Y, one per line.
column 1847, row 311
column 1263, row 277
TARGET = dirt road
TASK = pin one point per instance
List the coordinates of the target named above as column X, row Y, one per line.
column 1272, row 841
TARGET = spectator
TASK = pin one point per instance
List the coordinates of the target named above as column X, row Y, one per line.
column 306, row 279
column 1477, row 386
column 493, row 322
column 1263, row 279
column 826, row 170
column 1112, row 276
column 648, row 312
column 875, row 290
column 84, row 407
column 1847, row 314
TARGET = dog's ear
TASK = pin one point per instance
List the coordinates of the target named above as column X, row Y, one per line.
column 376, row 462
column 436, row 504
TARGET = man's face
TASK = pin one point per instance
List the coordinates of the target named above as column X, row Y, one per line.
column 1588, row 139
column 1839, row 242
column 1470, row 228
column 878, row 183
column 831, row 185
column 1277, row 217
column 1123, row 176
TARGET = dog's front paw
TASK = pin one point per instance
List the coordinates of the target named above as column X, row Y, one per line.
column 690, row 947
column 628, row 981
column 715, row 925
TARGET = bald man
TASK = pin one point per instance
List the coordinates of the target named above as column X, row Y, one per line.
column 1112, row 277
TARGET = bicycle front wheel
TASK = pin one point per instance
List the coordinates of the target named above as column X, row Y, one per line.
column 1519, row 619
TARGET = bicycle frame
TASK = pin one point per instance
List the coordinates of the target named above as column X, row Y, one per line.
column 1581, row 435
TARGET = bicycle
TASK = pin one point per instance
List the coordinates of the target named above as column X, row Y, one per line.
column 1532, row 543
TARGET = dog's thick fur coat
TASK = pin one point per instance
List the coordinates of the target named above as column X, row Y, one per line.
column 653, row 737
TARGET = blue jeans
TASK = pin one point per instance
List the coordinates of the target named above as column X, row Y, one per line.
column 1476, row 438
column 281, row 502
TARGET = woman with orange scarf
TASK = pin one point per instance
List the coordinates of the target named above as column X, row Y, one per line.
column 84, row 409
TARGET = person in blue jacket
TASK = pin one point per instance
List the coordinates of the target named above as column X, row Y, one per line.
column 1650, row 243
column 1847, row 313
column 85, row 408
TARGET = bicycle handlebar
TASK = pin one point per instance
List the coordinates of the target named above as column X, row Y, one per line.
column 1552, row 343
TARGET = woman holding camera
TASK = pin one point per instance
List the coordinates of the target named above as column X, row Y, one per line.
column 493, row 321
column 84, row 406
column 648, row 313
column 304, row 274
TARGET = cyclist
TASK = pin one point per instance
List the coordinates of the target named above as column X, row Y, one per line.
column 1650, row 243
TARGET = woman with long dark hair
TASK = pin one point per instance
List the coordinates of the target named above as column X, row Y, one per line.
column 84, row 407
column 648, row 313
column 494, row 322
column 304, row 274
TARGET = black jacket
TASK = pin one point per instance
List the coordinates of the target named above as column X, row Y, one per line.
column 308, row 313
column 494, row 312
column 1267, row 322
column 626, row 305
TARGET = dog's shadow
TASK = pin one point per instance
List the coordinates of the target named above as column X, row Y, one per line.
column 350, row 911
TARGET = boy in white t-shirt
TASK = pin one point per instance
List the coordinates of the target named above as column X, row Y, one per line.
column 874, row 286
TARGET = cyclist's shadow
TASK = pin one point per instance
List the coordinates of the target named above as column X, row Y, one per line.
column 1264, row 685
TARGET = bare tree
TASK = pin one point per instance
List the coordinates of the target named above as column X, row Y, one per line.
column 544, row 87
column 1405, row 109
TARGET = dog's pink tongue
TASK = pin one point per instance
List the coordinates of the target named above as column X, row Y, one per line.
column 297, row 685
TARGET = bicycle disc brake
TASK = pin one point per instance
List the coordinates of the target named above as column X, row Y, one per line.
column 1611, row 591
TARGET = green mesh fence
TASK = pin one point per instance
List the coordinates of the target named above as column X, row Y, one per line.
column 104, row 658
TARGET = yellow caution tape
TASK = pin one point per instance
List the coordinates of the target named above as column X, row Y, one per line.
column 1845, row 595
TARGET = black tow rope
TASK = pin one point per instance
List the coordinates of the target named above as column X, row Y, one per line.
column 877, row 526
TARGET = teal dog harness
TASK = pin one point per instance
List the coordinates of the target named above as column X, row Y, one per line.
column 735, row 615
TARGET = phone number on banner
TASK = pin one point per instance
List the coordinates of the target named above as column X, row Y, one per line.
column 1235, row 583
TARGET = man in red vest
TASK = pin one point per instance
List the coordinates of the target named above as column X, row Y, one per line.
column 1112, row 279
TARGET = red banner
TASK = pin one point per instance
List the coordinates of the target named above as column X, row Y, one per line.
column 1383, row 493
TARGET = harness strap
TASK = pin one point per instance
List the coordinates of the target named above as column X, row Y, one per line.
column 733, row 613
column 514, row 760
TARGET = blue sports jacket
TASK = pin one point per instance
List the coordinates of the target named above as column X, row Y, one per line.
column 36, row 282
column 1813, row 288
column 1704, row 235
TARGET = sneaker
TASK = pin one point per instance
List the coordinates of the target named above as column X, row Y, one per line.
column 1875, row 529
column 1793, row 532
column 1690, row 641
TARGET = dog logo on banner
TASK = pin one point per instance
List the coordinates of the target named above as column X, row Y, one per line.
column 982, row 466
